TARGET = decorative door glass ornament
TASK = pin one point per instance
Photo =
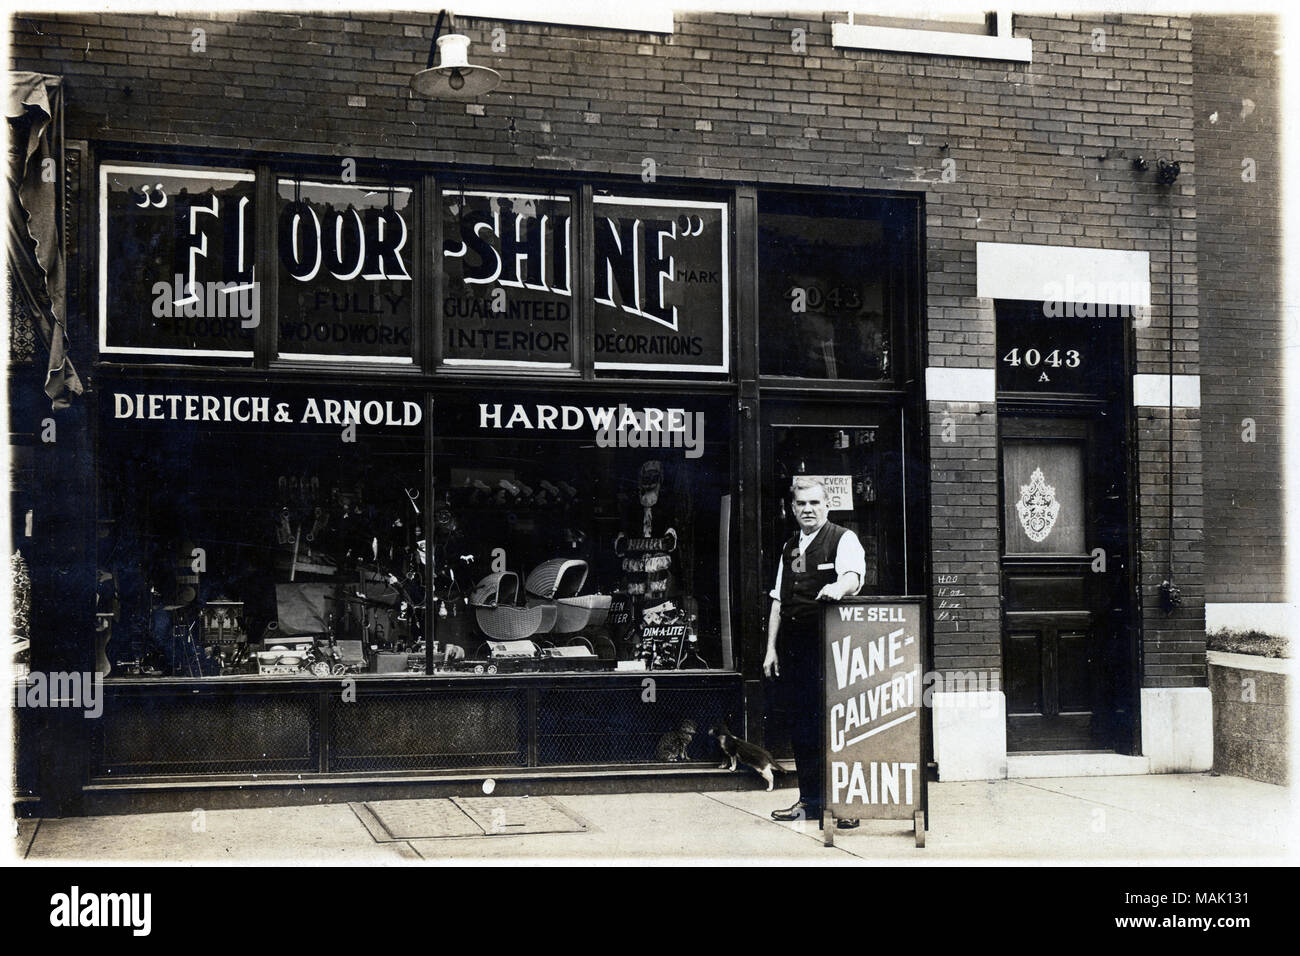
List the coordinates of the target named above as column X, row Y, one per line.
column 1042, row 516
column 1038, row 507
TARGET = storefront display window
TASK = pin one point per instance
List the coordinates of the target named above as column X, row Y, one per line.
column 176, row 261
column 345, row 255
column 480, row 463
column 834, row 285
column 260, row 532
column 565, row 537
column 370, row 530
column 584, row 535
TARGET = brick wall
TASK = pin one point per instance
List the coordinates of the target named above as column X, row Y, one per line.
column 964, row 515
column 1173, row 650
column 1237, row 84
column 1040, row 153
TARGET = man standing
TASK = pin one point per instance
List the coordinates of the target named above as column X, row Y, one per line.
column 823, row 562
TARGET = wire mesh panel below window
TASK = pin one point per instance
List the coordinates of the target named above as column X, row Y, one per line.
column 622, row 725
column 164, row 734
column 445, row 730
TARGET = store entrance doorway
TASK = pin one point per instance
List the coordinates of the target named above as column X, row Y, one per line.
column 861, row 455
column 1069, row 634
column 1065, row 628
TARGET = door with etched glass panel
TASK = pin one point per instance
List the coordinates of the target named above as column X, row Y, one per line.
column 1058, row 649
column 861, row 458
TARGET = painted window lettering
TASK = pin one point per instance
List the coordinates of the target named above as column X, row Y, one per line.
column 345, row 275
column 345, row 243
column 1033, row 358
column 178, row 260
column 508, row 263
column 512, row 245
column 660, row 283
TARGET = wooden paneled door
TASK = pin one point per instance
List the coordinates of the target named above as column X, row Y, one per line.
column 1066, row 646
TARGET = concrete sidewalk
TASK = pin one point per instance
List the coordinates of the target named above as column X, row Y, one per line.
column 1175, row 818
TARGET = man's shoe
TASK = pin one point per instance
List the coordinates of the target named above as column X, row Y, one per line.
column 800, row 811
column 847, row 824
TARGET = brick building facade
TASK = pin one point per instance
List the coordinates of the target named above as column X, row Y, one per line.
column 1005, row 156
column 1239, row 250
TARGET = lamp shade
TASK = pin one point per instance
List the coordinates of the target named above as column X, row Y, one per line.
column 454, row 77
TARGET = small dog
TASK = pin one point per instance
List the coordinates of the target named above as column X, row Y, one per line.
column 751, row 755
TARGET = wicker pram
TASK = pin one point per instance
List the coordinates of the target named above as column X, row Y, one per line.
column 558, row 583
column 497, row 612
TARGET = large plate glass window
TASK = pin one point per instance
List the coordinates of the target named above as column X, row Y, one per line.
column 662, row 285
column 176, row 261
column 588, row 535
column 837, row 280
column 345, row 256
column 252, row 532
column 507, row 260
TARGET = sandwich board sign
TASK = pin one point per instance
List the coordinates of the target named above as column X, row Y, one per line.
column 871, row 722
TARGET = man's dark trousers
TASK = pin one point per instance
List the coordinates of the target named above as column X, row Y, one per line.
column 801, row 691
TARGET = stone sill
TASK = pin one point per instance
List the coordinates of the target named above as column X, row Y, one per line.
column 859, row 36
column 1251, row 662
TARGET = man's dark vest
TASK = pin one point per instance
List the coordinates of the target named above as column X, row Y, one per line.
column 803, row 577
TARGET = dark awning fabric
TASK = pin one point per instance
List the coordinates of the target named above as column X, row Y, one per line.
column 35, row 252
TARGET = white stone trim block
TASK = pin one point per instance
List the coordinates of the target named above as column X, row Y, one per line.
column 970, row 735
column 858, row 36
column 645, row 16
column 960, row 384
column 1153, row 390
column 1178, row 729
column 1011, row 270
column 1029, row 766
column 1251, row 662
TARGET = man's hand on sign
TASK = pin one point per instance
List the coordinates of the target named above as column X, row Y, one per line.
column 770, row 667
column 832, row 592
column 848, row 583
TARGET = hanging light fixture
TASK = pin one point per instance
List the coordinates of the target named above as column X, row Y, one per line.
column 454, row 78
